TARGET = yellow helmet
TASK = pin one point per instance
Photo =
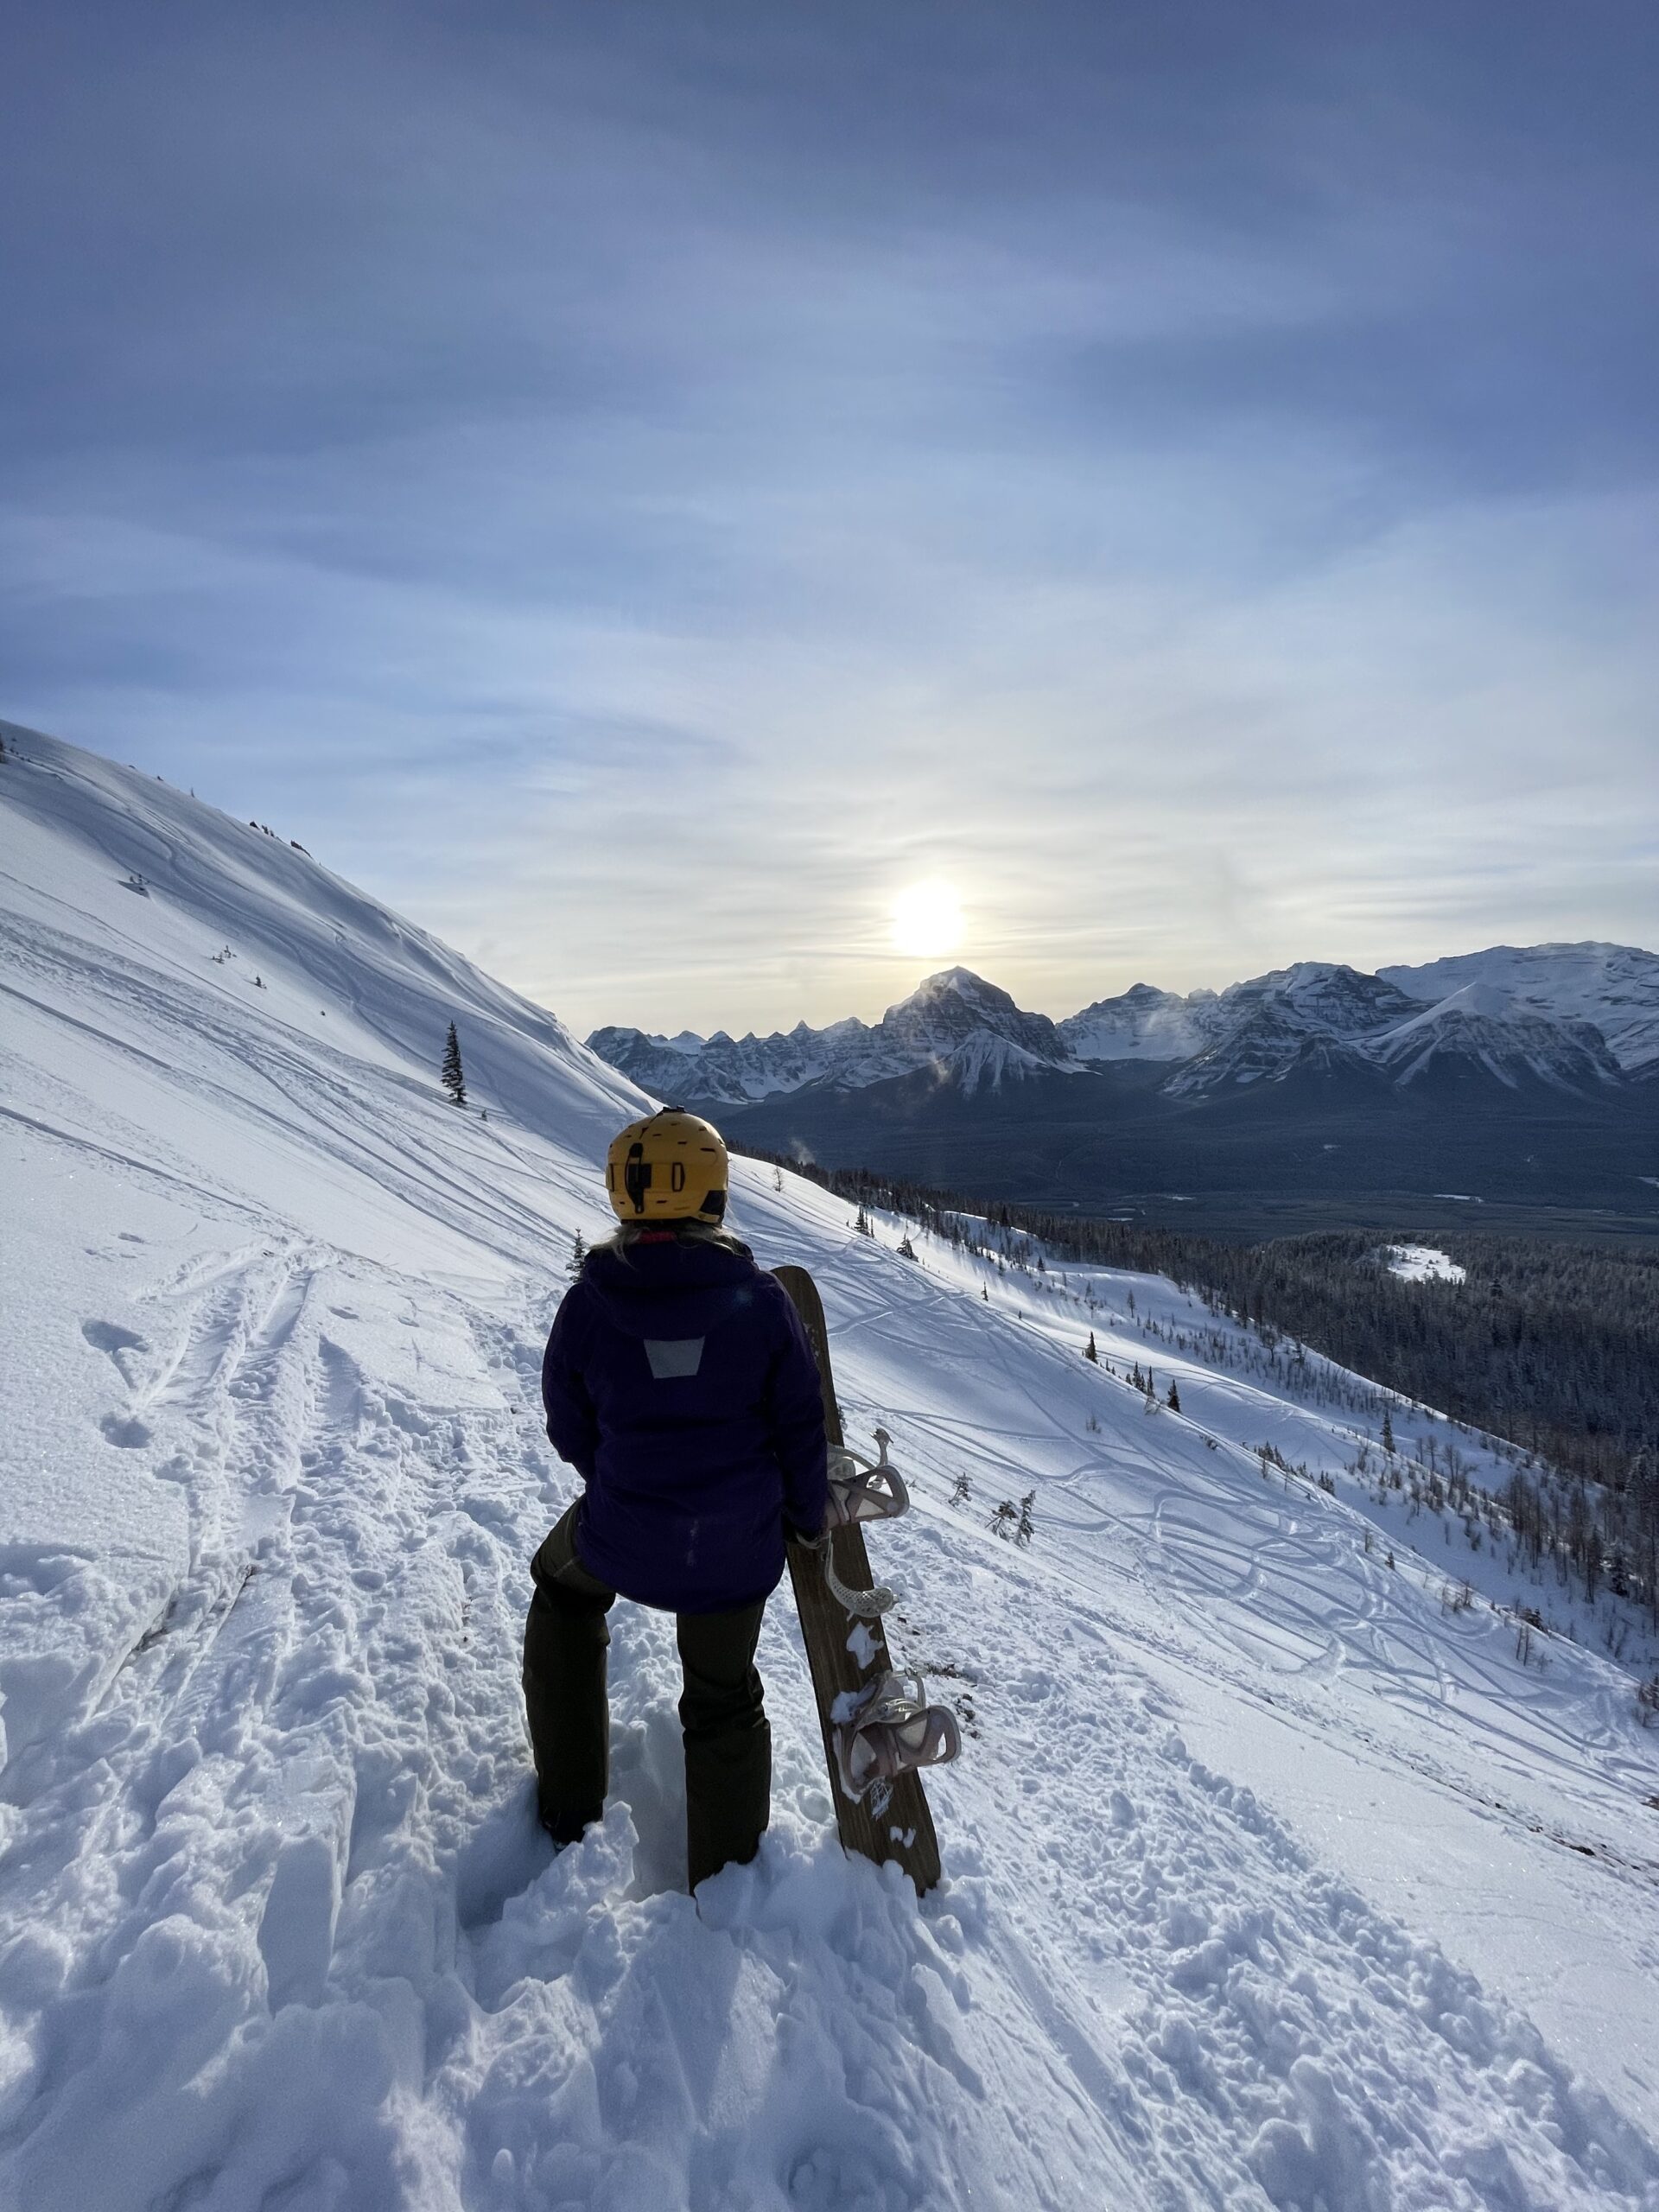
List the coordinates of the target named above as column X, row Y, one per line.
column 672, row 1166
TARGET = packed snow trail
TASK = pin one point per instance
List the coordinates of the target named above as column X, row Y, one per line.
column 276, row 1928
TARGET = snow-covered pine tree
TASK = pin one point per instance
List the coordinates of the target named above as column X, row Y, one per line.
column 578, row 1254
column 1388, row 1430
column 454, row 1080
column 1174, row 1400
column 1027, row 1527
column 1089, row 1352
column 1004, row 1518
column 964, row 1492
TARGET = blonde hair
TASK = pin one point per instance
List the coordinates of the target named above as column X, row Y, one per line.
column 627, row 1234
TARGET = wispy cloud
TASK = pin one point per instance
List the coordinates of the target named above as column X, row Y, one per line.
column 637, row 488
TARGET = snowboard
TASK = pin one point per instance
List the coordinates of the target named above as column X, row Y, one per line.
column 892, row 1821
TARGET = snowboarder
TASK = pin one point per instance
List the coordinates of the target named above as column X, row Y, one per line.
column 679, row 1383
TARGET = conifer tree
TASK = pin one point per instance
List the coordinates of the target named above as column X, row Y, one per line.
column 1388, row 1430
column 1004, row 1518
column 1174, row 1398
column 454, row 1081
column 964, row 1492
column 1089, row 1353
column 578, row 1254
column 1027, row 1527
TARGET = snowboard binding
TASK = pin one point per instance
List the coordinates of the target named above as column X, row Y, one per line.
column 860, row 1490
column 865, row 1489
column 888, row 1730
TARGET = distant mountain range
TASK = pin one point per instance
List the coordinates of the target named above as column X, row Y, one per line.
column 1572, row 1015
column 1533, row 1070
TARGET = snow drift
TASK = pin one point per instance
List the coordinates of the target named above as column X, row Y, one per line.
column 1270, row 1877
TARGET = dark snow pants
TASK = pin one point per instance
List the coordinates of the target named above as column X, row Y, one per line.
column 723, row 1715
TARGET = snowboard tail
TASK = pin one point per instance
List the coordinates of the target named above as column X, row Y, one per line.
column 847, row 1656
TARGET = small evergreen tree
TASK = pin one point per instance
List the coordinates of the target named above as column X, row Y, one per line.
column 861, row 1226
column 1089, row 1352
column 1388, row 1430
column 1003, row 1520
column 1174, row 1400
column 907, row 1250
column 964, row 1492
column 454, row 1081
column 578, row 1255
column 1027, row 1530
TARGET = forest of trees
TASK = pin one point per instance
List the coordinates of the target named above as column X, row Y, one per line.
column 1552, row 1347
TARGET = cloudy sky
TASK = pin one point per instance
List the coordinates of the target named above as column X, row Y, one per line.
column 646, row 488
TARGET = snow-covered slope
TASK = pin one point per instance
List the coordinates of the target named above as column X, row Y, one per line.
column 1143, row 1023
column 1615, row 987
column 1480, row 1028
column 1272, row 1877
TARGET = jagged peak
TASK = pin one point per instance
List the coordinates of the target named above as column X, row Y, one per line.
column 959, row 982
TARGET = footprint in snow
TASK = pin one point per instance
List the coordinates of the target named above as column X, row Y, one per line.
column 125, row 1430
column 509, row 1850
column 120, row 1344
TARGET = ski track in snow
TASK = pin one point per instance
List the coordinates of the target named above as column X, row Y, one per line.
column 276, row 1927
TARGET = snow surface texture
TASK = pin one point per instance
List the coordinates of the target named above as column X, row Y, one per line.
column 1269, row 1878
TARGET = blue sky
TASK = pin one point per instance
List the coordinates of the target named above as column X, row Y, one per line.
column 641, row 488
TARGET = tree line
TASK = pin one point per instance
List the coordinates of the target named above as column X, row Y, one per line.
column 1552, row 1347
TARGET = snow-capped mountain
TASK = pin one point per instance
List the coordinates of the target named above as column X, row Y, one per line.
column 1613, row 986
column 955, row 1023
column 1309, row 1019
column 1327, row 1021
column 1481, row 1028
column 1271, row 1877
column 1266, row 1043
column 1143, row 1023
column 722, row 1068
column 1316, row 1017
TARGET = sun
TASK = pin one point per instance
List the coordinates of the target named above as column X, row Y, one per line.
column 926, row 921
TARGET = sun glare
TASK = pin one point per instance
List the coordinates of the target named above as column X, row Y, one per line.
column 926, row 921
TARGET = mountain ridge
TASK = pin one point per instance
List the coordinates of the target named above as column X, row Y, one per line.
column 1573, row 1017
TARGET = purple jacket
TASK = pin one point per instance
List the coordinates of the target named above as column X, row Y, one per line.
column 679, row 1383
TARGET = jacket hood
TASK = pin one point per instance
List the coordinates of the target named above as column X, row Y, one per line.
column 673, row 1289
